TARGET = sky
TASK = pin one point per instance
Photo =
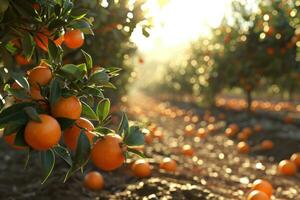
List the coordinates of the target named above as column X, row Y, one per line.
column 178, row 23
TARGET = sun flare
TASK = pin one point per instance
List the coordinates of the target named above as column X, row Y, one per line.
column 178, row 22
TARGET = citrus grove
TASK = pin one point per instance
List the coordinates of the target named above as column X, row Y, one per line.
column 52, row 100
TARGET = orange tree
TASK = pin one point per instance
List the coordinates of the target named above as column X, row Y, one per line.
column 110, row 46
column 44, row 100
column 252, row 50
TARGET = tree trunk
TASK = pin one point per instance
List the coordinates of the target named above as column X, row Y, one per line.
column 249, row 100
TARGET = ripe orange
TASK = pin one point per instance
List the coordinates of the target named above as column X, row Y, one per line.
column 148, row 138
column 71, row 134
column 263, row 186
column 35, row 93
column 10, row 139
column 189, row 130
column 40, row 75
column 288, row 120
column 258, row 128
column 247, row 131
column 243, row 147
column 93, row 180
column 287, row 167
column 141, row 168
column 21, row 60
column 69, row 107
column 107, row 153
column 187, row 150
column 257, row 195
column 295, row 158
column 42, row 135
column 267, row 145
column 74, row 39
column 168, row 164
column 201, row 133
column 243, row 136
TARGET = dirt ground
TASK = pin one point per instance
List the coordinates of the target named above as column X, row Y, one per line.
column 216, row 171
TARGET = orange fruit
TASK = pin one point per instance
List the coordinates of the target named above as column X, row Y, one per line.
column 258, row 128
column 93, row 180
column 243, row 147
column 247, row 131
column 257, row 195
column 40, row 75
column 168, row 164
column 187, row 150
column 69, row 107
column 243, row 136
column 71, row 134
column 10, row 139
column 107, row 153
column 263, row 186
column 229, row 132
column 21, row 60
column 287, row 167
column 141, row 168
column 35, row 94
column 288, row 120
column 74, row 39
column 148, row 138
column 36, row 6
column 295, row 158
column 201, row 133
column 267, row 144
column 42, row 135
column 189, row 130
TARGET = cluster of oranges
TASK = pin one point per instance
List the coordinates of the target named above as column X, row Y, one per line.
column 289, row 167
column 107, row 153
column 140, row 168
column 260, row 190
column 241, row 104
column 73, row 39
column 233, row 130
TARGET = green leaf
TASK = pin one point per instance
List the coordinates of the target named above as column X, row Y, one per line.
column 12, row 117
column 123, row 126
column 65, row 122
column 82, row 25
column 134, row 136
column 47, row 162
column 18, row 93
column 73, row 72
column 88, row 112
column 20, row 79
column 11, row 48
column 55, row 52
column 88, row 60
column 32, row 114
column 99, row 77
column 103, row 109
column 55, row 91
column 63, row 153
column 20, row 139
column 27, row 157
column 93, row 91
column 109, row 85
column 136, row 152
column 103, row 130
column 82, row 154
column 11, row 128
column 28, row 45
